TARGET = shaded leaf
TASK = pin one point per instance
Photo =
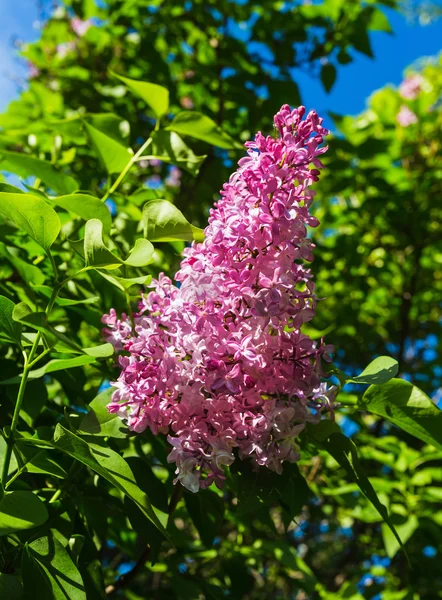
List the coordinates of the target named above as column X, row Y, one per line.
column 9, row 328
column 328, row 76
column 206, row 509
column 11, row 587
column 345, row 453
column 108, row 464
column 99, row 421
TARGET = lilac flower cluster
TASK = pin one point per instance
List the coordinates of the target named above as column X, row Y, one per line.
column 220, row 363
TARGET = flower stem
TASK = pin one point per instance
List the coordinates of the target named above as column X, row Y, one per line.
column 15, row 417
column 126, row 169
column 29, row 361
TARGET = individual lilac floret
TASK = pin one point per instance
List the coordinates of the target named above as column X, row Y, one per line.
column 220, row 364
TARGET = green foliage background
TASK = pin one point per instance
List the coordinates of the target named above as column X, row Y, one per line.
column 88, row 510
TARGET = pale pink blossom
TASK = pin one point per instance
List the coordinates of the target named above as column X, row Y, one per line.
column 411, row 86
column 79, row 26
column 406, row 117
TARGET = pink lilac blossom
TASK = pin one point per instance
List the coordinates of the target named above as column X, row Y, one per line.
column 220, row 363
column 62, row 50
column 79, row 26
column 406, row 117
column 174, row 177
column 411, row 86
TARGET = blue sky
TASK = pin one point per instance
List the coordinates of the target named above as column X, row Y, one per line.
column 354, row 84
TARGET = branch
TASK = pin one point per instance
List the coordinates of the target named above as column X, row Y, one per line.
column 125, row 579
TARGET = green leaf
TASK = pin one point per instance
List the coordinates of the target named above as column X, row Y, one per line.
column 98, row 256
column 87, row 207
column 27, row 271
column 46, row 291
column 39, row 321
column 13, row 463
column 21, row 510
column 33, row 215
column 379, row 22
column 61, row 364
column 8, row 327
column 405, row 530
column 144, row 528
column 110, row 124
column 101, row 351
column 39, row 461
column 407, row 407
column 11, row 587
column 379, row 371
column 109, row 465
column 25, row 166
column 328, row 76
column 113, row 155
column 48, row 569
column 125, row 283
column 345, row 453
column 201, row 127
column 156, row 96
column 206, row 509
column 99, row 421
column 163, row 222
column 169, row 147
column 10, row 189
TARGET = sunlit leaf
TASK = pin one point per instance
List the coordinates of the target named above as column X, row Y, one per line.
column 201, row 127
column 113, row 155
column 97, row 255
column 87, row 207
column 407, row 407
column 125, row 283
column 25, row 166
column 33, row 215
column 21, row 510
column 163, row 222
column 155, row 96
column 379, row 371
column 48, row 568
column 169, row 147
